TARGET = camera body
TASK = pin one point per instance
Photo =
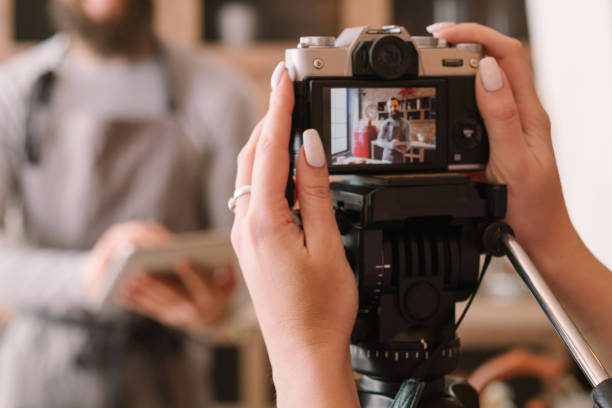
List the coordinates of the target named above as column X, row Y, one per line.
column 384, row 102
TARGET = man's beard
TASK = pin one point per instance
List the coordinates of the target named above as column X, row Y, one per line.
column 125, row 35
column 396, row 114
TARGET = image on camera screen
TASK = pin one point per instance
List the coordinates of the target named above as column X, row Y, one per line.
column 382, row 126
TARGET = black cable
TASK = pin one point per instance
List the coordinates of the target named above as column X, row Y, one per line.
column 485, row 266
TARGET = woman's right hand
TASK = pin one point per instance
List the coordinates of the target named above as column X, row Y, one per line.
column 303, row 289
column 519, row 130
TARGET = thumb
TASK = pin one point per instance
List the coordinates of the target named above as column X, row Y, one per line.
column 501, row 116
column 313, row 193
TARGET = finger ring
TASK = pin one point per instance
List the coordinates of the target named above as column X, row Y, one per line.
column 231, row 203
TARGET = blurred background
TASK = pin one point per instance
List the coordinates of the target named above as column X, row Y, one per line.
column 573, row 77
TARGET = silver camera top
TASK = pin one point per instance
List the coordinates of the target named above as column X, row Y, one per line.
column 389, row 52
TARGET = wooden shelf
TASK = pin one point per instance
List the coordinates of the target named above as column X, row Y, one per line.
column 492, row 323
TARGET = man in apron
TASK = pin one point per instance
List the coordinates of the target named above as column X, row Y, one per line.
column 106, row 135
column 394, row 134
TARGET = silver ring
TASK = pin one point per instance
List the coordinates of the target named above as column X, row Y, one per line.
column 231, row 203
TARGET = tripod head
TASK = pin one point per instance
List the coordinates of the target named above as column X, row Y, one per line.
column 414, row 242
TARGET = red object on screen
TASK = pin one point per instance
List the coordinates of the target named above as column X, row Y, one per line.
column 362, row 139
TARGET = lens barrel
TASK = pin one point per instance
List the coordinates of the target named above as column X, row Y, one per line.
column 391, row 58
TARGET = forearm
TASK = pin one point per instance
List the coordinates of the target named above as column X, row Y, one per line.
column 32, row 277
column 314, row 377
column 583, row 286
column 383, row 141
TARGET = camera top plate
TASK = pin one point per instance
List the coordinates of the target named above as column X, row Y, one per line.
column 323, row 57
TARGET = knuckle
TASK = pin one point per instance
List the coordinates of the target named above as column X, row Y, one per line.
column 473, row 26
column 262, row 225
column 265, row 144
column 245, row 153
column 235, row 237
column 505, row 112
column 317, row 191
column 516, row 46
column 242, row 155
column 546, row 123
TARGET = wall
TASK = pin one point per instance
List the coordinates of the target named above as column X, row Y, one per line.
column 572, row 54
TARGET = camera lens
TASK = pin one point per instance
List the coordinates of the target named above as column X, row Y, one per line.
column 392, row 58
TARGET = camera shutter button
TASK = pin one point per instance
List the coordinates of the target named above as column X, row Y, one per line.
column 317, row 42
column 474, row 47
column 424, row 41
column 318, row 63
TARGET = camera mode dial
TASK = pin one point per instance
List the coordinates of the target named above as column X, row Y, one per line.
column 317, row 42
column 424, row 41
column 473, row 47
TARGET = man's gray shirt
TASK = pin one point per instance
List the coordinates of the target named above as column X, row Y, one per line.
column 216, row 113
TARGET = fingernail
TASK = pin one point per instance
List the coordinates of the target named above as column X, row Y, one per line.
column 490, row 74
column 276, row 75
column 313, row 148
column 432, row 28
column 291, row 72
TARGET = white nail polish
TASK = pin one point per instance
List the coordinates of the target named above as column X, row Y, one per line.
column 490, row 74
column 439, row 26
column 313, row 148
column 291, row 72
column 277, row 74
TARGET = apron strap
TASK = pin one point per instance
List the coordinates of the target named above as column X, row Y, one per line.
column 42, row 91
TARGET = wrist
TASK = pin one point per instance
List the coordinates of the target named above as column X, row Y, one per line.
column 558, row 250
column 314, row 375
column 299, row 343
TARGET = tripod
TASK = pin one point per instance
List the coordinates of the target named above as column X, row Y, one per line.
column 414, row 243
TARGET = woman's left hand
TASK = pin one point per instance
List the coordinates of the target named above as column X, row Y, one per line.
column 187, row 300
column 301, row 284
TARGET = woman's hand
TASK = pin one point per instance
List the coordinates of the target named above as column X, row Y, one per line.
column 522, row 157
column 302, row 287
column 519, row 130
column 187, row 300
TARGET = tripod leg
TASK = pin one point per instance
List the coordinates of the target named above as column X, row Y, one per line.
column 602, row 394
column 565, row 327
column 409, row 394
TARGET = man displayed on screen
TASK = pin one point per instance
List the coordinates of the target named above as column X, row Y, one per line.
column 394, row 134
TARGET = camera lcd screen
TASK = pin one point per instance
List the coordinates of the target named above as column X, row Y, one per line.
column 382, row 126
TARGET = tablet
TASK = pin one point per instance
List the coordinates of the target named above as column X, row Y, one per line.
column 210, row 250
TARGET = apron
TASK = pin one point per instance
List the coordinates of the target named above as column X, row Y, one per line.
column 111, row 170
column 393, row 131
column 82, row 175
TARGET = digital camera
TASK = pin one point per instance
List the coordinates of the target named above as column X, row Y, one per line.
column 386, row 102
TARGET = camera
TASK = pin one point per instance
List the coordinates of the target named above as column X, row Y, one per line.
column 385, row 102
column 398, row 114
